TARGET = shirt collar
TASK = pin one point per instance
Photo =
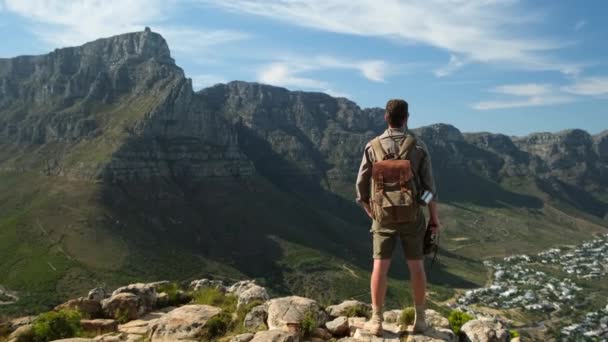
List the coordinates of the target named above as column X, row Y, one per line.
column 394, row 132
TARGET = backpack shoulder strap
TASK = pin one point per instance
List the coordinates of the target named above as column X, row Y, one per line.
column 406, row 146
column 379, row 151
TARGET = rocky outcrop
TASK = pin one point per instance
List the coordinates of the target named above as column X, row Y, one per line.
column 280, row 319
column 90, row 308
column 184, row 323
column 484, row 330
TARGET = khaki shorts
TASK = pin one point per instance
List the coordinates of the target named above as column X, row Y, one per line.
column 411, row 236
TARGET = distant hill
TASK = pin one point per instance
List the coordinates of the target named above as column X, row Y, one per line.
column 112, row 169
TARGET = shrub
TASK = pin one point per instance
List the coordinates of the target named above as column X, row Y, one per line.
column 217, row 326
column 174, row 295
column 215, row 297
column 358, row 311
column 458, row 319
column 309, row 323
column 56, row 325
column 121, row 315
column 407, row 316
column 514, row 333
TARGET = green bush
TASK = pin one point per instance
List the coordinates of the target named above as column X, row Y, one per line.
column 121, row 315
column 514, row 333
column 174, row 294
column 407, row 316
column 458, row 319
column 358, row 311
column 309, row 323
column 217, row 326
column 215, row 297
column 56, row 325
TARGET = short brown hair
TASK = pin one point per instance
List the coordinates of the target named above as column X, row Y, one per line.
column 396, row 112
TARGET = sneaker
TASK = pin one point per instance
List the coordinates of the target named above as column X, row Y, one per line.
column 374, row 325
column 420, row 325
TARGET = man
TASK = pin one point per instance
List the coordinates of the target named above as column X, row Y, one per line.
column 391, row 145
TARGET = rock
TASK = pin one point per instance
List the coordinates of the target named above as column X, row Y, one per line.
column 14, row 324
column 141, row 326
column 346, row 308
column 355, row 323
column 338, row 327
column 90, row 308
column 291, row 310
column 146, row 292
column 183, row 323
column 432, row 335
column 248, row 291
column 484, row 330
column 98, row 294
column 274, row 336
column 242, row 338
column 434, row 319
column 99, row 326
column 254, row 293
column 196, row 285
column 75, row 339
column 392, row 316
column 23, row 330
column 123, row 305
column 256, row 318
column 321, row 333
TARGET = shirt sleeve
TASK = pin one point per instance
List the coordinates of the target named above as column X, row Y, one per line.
column 426, row 173
column 364, row 177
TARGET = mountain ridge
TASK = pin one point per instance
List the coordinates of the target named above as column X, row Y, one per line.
column 118, row 170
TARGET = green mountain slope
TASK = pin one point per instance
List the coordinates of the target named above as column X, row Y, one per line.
column 113, row 170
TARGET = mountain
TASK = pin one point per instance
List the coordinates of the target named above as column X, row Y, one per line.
column 114, row 170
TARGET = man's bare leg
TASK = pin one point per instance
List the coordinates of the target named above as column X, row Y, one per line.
column 378, row 289
column 418, row 283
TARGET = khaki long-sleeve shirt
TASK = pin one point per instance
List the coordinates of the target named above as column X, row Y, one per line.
column 418, row 156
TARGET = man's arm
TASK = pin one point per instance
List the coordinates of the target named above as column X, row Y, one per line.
column 428, row 183
column 363, row 182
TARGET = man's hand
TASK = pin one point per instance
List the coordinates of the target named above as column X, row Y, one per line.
column 434, row 222
column 368, row 209
column 435, row 225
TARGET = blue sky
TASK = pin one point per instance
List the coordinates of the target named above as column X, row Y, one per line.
column 505, row 66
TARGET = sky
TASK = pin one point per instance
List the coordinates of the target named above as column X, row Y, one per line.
column 503, row 66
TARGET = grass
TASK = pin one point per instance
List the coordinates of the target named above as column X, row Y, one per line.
column 407, row 316
column 309, row 323
column 458, row 319
column 54, row 325
column 359, row 310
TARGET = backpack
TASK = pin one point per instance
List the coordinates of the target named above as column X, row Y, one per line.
column 394, row 194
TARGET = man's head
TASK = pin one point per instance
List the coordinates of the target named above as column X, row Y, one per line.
column 397, row 113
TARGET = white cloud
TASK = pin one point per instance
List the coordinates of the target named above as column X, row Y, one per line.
column 453, row 65
column 477, row 31
column 590, row 86
column 525, row 95
column 74, row 22
column 580, row 24
column 288, row 72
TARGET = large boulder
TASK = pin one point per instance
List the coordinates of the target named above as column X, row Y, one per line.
column 146, row 293
column 242, row 337
column 99, row 326
column 434, row 319
column 484, row 329
column 274, row 336
column 338, row 327
column 123, row 306
column 21, row 332
column 292, row 310
column 184, row 323
column 142, row 325
column 256, row 318
column 349, row 308
column 98, row 294
column 15, row 323
column 89, row 308
column 248, row 291
column 200, row 284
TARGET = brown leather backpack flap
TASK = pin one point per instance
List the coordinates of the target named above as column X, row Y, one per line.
column 390, row 171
